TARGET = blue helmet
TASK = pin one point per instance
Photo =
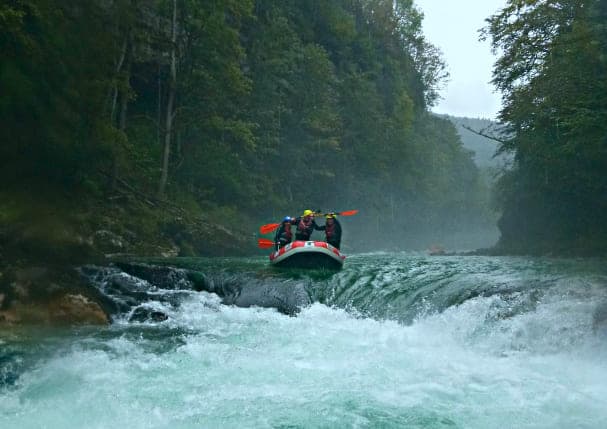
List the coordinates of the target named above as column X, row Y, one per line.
column 286, row 219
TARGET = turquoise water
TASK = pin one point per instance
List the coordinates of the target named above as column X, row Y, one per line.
column 393, row 340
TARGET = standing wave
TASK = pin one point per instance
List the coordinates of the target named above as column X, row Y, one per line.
column 393, row 340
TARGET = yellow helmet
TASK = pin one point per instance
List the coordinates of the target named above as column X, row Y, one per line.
column 308, row 213
column 330, row 216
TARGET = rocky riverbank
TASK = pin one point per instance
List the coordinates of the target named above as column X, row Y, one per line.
column 48, row 295
column 43, row 240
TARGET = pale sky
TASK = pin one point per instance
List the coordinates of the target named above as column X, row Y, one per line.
column 452, row 25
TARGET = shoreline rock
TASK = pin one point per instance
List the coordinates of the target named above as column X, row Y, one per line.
column 48, row 295
column 69, row 309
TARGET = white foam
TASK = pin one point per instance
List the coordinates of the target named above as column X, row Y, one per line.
column 527, row 357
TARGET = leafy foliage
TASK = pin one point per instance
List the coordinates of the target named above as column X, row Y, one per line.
column 262, row 107
column 553, row 74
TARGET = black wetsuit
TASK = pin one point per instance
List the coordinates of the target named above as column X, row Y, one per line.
column 283, row 236
column 333, row 235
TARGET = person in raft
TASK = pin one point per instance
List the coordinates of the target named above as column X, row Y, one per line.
column 283, row 234
column 332, row 229
column 305, row 225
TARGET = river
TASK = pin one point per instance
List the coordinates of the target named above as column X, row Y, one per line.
column 393, row 340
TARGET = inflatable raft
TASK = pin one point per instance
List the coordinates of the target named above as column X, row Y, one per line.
column 308, row 254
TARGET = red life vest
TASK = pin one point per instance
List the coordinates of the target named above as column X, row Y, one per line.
column 287, row 233
column 330, row 230
column 304, row 226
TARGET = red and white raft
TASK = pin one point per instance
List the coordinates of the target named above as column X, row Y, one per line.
column 308, row 254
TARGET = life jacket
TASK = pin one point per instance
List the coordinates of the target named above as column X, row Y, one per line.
column 304, row 227
column 287, row 233
column 330, row 230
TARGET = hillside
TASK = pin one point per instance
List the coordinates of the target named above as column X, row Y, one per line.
column 484, row 149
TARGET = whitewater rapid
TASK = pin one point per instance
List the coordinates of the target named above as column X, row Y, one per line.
column 391, row 341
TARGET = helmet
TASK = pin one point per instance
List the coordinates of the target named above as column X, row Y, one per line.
column 308, row 213
column 330, row 216
column 286, row 219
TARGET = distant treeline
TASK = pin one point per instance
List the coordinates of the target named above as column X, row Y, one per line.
column 473, row 132
column 261, row 108
column 553, row 75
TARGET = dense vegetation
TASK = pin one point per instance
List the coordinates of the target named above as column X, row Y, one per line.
column 140, row 118
column 553, row 76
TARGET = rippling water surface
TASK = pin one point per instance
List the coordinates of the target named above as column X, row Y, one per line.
column 393, row 340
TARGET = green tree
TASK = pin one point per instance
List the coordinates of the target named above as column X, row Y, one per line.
column 552, row 73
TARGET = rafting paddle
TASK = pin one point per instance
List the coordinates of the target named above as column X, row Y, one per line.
column 264, row 243
column 346, row 213
column 265, row 229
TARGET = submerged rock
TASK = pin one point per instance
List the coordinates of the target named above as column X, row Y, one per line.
column 11, row 366
column 146, row 314
column 287, row 296
column 132, row 286
column 160, row 276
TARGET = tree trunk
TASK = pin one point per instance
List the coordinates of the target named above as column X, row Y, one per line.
column 159, row 107
column 122, row 90
column 170, row 106
column 124, row 97
column 124, row 103
column 119, row 64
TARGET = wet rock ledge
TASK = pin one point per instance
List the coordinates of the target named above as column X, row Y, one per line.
column 48, row 296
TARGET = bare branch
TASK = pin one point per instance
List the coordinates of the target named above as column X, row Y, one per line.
column 482, row 133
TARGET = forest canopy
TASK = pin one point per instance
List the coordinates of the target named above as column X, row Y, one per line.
column 552, row 72
column 247, row 109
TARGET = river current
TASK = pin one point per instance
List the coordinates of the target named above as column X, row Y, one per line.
column 393, row 340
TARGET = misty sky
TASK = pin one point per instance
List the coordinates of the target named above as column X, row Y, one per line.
column 453, row 27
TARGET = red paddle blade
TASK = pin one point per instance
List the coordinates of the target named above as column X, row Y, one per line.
column 264, row 243
column 348, row 213
column 265, row 229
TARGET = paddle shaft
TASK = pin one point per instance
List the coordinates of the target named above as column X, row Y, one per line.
column 270, row 227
